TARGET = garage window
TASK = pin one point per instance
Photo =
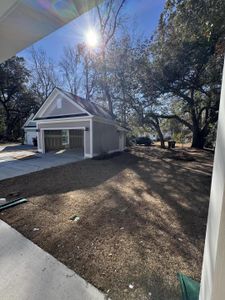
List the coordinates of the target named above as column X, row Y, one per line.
column 65, row 137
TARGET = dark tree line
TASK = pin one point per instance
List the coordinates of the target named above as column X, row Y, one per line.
column 17, row 100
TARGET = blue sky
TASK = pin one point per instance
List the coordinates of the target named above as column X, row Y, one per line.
column 143, row 16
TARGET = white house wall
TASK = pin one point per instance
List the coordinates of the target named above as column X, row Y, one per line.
column 213, row 270
column 29, row 134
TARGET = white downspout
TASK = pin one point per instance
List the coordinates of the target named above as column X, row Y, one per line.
column 91, row 137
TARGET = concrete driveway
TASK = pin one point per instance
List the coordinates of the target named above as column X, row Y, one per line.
column 28, row 272
column 16, row 160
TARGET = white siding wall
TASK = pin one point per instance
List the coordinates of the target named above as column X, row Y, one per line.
column 29, row 135
column 105, row 138
column 213, row 271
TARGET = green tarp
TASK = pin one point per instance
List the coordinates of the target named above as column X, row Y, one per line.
column 189, row 287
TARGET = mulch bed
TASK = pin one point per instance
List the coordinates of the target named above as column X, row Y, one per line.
column 126, row 224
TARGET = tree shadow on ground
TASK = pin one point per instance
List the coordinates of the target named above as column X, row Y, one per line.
column 142, row 219
column 62, row 179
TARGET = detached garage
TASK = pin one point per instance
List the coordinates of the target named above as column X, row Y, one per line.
column 66, row 121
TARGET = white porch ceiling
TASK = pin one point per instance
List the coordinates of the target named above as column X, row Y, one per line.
column 23, row 22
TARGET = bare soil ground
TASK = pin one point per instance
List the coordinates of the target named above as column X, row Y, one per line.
column 142, row 218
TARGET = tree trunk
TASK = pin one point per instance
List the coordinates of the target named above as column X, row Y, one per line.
column 9, row 131
column 105, row 83
column 8, row 125
column 109, row 100
column 156, row 125
column 198, row 139
column 162, row 142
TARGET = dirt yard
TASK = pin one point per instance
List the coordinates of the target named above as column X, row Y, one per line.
column 136, row 219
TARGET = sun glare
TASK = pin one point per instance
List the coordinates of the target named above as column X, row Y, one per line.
column 92, row 38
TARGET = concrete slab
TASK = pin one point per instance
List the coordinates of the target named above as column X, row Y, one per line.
column 20, row 162
column 29, row 273
column 16, row 147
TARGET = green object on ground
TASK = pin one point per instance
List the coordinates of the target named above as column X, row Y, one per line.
column 13, row 203
column 189, row 287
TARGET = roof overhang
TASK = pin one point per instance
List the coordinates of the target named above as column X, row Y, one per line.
column 23, row 22
column 63, row 117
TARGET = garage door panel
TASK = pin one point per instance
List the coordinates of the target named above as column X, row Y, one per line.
column 54, row 139
column 76, row 139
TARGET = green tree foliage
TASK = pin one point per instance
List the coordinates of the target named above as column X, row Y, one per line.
column 131, row 103
column 184, row 63
column 16, row 100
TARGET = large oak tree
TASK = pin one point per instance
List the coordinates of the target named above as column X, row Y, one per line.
column 185, row 62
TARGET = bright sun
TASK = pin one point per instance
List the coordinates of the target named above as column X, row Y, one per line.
column 92, row 38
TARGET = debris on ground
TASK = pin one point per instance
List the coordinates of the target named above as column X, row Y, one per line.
column 131, row 286
column 2, row 201
column 75, row 218
column 12, row 203
column 124, row 209
column 36, row 229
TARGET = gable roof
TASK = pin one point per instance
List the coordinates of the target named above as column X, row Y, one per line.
column 87, row 107
column 91, row 107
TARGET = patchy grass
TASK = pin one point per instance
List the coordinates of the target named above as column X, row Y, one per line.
column 137, row 218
